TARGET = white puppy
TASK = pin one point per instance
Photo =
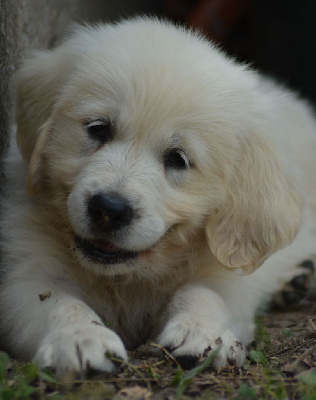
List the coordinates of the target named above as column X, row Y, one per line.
column 155, row 174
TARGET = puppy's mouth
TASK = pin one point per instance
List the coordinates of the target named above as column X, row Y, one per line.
column 104, row 252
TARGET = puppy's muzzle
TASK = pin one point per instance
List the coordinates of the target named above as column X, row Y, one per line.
column 109, row 212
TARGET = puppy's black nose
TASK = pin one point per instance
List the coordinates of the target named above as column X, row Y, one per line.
column 109, row 211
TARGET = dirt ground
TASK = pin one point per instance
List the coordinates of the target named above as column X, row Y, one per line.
column 281, row 365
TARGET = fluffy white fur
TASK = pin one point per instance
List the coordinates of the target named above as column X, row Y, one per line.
column 246, row 198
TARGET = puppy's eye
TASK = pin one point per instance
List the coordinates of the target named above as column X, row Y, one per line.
column 176, row 159
column 100, row 130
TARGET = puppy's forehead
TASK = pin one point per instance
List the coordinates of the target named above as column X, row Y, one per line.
column 156, row 68
column 152, row 86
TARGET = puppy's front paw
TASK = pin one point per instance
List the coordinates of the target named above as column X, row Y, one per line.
column 192, row 338
column 80, row 348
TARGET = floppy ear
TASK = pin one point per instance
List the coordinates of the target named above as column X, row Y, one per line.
column 262, row 213
column 37, row 85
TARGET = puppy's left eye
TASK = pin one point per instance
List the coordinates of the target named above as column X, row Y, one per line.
column 176, row 159
column 100, row 129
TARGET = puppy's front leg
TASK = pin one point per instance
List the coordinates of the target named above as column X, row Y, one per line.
column 198, row 321
column 79, row 342
column 58, row 329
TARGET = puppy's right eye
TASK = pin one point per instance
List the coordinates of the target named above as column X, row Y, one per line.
column 176, row 159
column 100, row 130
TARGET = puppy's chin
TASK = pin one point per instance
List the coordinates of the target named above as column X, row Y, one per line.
column 104, row 252
column 105, row 258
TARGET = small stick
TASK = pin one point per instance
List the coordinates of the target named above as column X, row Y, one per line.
column 311, row 323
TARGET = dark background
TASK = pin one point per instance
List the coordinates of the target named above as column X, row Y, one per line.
column 275, row 36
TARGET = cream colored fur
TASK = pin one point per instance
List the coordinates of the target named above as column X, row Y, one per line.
column 248, row 198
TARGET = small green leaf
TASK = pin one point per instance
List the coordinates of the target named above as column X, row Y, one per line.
column 46, row 376
column 200, row 368
column 6, row 392
column 184, row 381
column 178, row 377
column 153, row 374
column 257, row 357
column 31, row 372
column 4, row 363
column 287, row 332
column 247, row 392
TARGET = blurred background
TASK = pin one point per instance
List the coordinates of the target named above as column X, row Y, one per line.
column 274, row 36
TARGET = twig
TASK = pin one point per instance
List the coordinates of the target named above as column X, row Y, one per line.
column 294, row 364
column 167, row 353
column 133, row 367
column 310, row 321
column 297, row 347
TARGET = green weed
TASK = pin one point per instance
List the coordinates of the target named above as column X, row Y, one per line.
column 287, row 333
column 183, row 381
column 247, row 392
column 23, row 382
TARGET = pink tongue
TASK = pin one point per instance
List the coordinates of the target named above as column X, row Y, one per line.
column 106, row 247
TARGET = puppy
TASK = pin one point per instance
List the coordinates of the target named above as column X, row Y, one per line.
column 155, row 176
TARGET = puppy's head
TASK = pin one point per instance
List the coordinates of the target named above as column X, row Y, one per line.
column 148, row 143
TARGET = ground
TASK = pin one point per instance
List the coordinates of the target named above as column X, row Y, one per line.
column 281, row 365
